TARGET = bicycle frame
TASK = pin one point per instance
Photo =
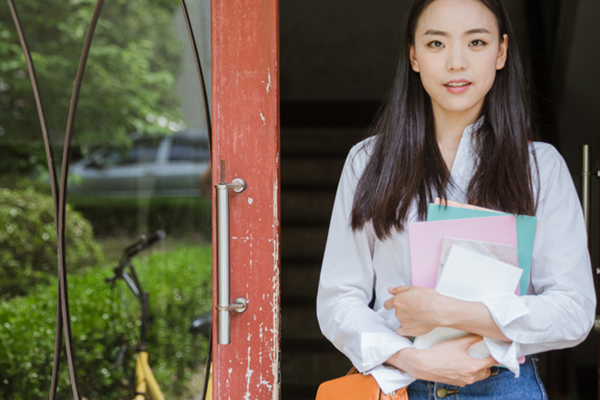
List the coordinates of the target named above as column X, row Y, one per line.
column 145, row 381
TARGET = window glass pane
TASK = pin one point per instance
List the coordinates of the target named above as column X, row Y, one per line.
column 126, row 182
column 186, row 149
column 143, row 150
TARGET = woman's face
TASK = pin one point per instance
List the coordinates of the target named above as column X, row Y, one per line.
column 457, row 52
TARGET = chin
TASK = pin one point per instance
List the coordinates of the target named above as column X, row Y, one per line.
column 462, row 107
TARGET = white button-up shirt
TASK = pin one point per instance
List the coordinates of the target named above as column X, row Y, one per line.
column 557, row 312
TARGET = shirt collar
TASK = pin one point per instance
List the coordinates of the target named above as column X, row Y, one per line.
column 464, row 164
column 468, row 132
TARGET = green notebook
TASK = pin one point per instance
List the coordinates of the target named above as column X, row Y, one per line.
column 526, row 229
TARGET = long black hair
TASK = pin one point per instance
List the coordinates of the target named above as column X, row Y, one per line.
column 406, row 164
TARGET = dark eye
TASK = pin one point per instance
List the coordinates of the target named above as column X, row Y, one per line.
column 477, row 43
column 436, row 44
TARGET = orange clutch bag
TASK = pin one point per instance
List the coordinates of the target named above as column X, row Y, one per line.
column 355, row 386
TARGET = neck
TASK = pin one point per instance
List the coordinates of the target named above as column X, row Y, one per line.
column 450, row 127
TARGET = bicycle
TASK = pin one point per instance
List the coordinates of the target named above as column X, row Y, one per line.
column 146, row 384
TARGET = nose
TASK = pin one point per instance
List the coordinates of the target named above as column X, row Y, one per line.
column 456, row 59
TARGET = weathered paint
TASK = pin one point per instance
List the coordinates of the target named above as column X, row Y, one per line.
column 245, row 106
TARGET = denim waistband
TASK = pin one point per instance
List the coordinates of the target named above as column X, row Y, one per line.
column 501, row 385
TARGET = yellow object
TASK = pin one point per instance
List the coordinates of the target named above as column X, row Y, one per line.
column 145, row 382
column 209, row 386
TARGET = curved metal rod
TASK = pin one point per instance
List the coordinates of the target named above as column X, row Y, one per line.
column 53, row 180
column 63, row 195
column 188, row 24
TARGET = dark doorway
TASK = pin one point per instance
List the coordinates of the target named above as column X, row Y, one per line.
column 337, row 61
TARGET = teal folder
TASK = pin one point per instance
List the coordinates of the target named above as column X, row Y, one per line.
column 526, row 229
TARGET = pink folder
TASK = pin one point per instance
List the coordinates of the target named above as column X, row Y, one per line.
column 425, row 240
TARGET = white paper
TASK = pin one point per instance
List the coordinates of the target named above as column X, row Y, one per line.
column 472, row 277
column 506, row 253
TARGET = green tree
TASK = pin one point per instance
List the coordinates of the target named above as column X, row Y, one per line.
column 129, row 78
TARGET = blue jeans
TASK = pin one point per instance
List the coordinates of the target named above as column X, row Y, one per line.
column 501, row 385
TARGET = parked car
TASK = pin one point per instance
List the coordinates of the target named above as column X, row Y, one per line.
column 166, row 166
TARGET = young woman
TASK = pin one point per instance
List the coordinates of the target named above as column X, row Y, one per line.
column 456, row 126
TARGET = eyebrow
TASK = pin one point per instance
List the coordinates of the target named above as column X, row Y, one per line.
column 434, row 32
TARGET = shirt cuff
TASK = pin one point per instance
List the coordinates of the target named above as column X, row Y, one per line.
column 505, row 353
column 377, row 347
column 505, row 309
column 390, row 378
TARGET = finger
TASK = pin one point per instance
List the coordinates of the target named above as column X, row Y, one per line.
column 468, row 340
column 486, row 373
column 401, row 331
column 399, row 289
column 483, row 374
column 389, row 304
column 488, row 362
column 478, row 376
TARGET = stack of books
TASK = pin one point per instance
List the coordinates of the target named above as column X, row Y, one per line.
column 470, row 253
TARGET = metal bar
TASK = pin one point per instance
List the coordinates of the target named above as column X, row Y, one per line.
column 132, row 286
column 223, row 321
column 585, row 186
column 64, row 296
column 188, row 24
column 53, row 183
column 38, row 104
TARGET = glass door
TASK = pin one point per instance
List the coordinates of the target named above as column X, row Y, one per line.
column 138, row 173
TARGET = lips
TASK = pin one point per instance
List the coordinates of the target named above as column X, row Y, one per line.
column 457, row 85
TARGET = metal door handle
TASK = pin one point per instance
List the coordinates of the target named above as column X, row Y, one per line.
column 223, row 307
column 585, row 192
column 585, row 186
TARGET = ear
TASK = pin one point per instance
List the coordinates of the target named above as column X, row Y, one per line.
column 502, row 52
column 413, row 59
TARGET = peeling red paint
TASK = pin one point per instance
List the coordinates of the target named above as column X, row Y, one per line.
column 245, row 100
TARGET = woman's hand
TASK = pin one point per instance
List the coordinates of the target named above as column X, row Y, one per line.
column 416, row 308
column 419, row 310
column 446, row 362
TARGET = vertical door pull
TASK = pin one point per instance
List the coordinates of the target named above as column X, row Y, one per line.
column 585, row 185
column 223, row 307
column 586, row 174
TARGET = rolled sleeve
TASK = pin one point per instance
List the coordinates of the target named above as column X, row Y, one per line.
column 559, row 310
column 377, row 347
column 390, row 379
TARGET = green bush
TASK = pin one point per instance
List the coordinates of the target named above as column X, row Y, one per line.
column 28, row 241
column 179, row 283
column 32, row 182
column 180, row 287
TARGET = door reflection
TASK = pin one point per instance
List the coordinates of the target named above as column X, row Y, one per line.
column 140, row 146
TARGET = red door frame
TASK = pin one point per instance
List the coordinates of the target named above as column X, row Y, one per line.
column 245, row 108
